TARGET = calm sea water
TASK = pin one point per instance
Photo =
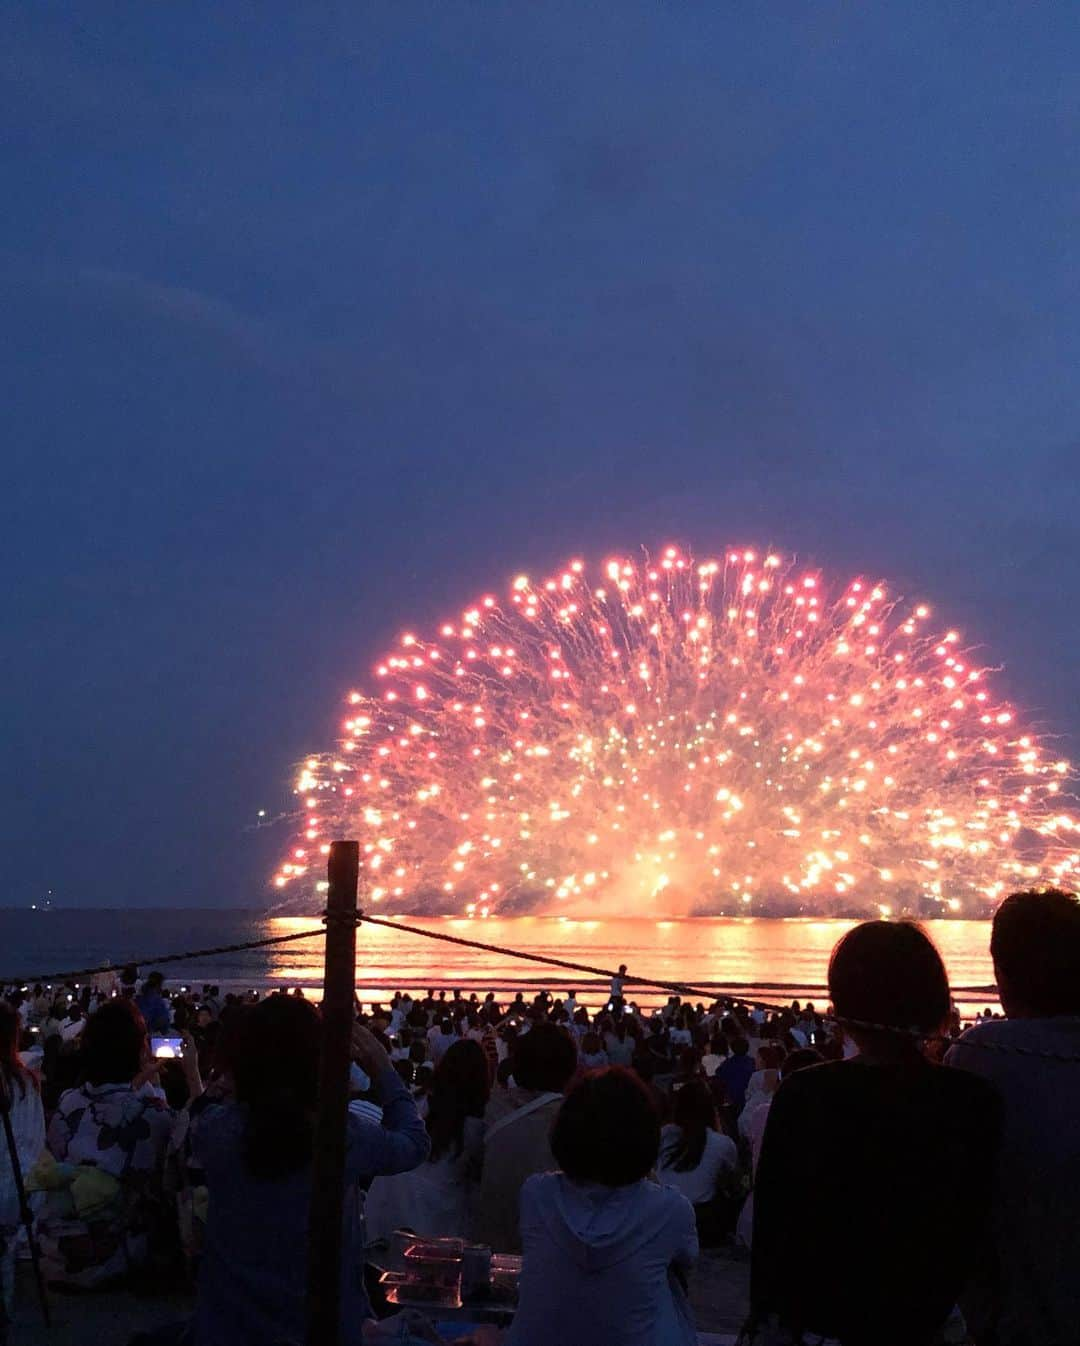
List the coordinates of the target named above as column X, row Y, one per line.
column 774, row 959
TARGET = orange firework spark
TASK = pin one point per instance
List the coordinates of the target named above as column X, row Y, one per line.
column 675, row 736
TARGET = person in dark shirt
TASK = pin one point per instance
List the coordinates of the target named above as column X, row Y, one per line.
column 888, row 1159
column 735, row 1074
column 153, row 1006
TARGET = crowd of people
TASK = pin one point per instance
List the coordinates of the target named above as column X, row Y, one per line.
column 894, row 1179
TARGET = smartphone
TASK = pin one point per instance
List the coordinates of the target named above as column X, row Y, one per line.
column 167, row 1049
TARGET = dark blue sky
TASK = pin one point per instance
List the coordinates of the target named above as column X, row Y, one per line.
column 315, row 327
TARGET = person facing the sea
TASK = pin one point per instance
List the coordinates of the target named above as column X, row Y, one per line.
column 436, row 1198
column 108, row 1138
column 887, row 1158
column 517, row 1127
column 606, row 1250
column 256, row 1156
column 1028, row 1292
column 22, row 1101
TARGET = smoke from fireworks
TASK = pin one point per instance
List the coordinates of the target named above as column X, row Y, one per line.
column 680, row 737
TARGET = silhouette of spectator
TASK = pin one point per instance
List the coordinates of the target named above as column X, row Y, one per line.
column 517, row 1128
column 886, row 1157
column 1028, row 1293
column 605, row 1250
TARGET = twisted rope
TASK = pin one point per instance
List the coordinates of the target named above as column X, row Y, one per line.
column 547, row 960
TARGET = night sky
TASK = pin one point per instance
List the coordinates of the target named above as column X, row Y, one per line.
column 316, row 327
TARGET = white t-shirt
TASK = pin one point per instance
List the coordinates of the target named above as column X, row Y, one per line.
column 696, row 1184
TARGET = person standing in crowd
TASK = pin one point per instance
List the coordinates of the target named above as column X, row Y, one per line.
column 606, row 1251
column 436, row 1197
column 1028, row 1291
column 517, row 1130
column 698, row 1161
column 887, row 1158
column 21, row 1099
column 153, row 1006
column 256, row 1155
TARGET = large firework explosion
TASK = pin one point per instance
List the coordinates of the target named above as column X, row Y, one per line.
column 681, row 737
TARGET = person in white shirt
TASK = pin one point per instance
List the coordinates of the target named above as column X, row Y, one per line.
column 441, row 1040
column 696, row 1160
column 1028, row 1292
column 680, row 1034
column 618, row 982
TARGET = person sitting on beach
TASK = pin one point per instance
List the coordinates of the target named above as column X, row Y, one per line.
column 593, row 1054
column 22, row 1101
column 735, row 1074
column 107, row 1138
column 604, row 1247
column 1028, row 1293
column 153, row 1006
column 752, row 1123
column 764, row 1081
column 517, row 1127
column 256, row 1154
column 436, row 1197
column 441, row 1038
column 697, row 1160
column 620, row 1043
column 888, row 1158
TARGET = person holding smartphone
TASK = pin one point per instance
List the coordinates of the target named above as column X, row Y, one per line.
column 256, row 1153
column 110, row 1133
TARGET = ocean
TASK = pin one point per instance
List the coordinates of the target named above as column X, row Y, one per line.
column 773, row 960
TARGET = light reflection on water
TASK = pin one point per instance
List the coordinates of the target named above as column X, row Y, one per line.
column 750, row 954
column 714, row 953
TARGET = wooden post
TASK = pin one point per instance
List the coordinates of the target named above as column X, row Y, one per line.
column 328, row 1168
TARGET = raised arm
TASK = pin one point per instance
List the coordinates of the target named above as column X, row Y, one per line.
column 401, row 1143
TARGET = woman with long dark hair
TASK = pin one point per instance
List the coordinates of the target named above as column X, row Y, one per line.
column 21, row 1099
column 256, row 1154
column 437, row 1197
column 888, row 1158
column 697, row 1160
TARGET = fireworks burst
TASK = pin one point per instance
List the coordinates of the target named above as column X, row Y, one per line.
column 677, row 736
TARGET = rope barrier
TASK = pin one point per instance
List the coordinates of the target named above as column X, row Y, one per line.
column 680, row 988
column 43, row 977
column 547, row 960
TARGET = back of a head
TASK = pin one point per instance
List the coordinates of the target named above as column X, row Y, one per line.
column 607, row 1130
column 113, row 1043
column 276, row 1074
column 462, row 1075
column 544, row 1058
column 693, row 1106
column 1035, row 945
column 739, row 1046
column 800, row 1060
column 11, row 1067
column 459, row 1089
column 888, row 973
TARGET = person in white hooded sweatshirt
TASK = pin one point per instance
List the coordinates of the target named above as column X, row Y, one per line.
column 606, row 1252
